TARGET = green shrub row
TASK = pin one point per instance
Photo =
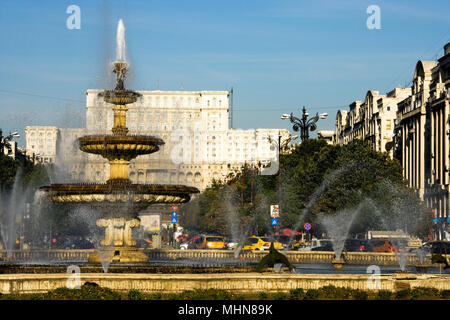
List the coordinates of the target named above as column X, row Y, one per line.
column 94, row 292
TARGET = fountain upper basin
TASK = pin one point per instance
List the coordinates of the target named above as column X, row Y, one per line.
column 120, row 97
column 119, row 147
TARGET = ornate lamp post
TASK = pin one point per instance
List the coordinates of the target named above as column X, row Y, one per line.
column 304, row 124
column 282, row 145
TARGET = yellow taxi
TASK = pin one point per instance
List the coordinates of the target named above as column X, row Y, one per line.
column 211, row 242
column 299, row 244
column 260, row 243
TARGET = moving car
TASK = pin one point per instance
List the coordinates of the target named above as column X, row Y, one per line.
column 355, row 245
column 379, row 245
column 314, row 244
column 144, row 243
column 440, row 247
column 326, row 246
column 285, row 241
column 350, row 245
column 210, row 242
column 78, row 244
column 260, row 243
column 231, row 244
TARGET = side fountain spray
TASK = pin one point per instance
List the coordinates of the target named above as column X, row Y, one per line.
column 338, row 227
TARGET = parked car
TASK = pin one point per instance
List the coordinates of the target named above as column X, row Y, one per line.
column 379, row 245
column 260, row 243
column 210, row 242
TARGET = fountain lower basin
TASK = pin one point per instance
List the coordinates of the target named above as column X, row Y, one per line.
column 117, row 193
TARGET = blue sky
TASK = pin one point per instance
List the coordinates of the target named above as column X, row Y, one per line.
column 278, row 55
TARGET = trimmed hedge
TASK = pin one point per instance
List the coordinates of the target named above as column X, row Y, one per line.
column 95, row 292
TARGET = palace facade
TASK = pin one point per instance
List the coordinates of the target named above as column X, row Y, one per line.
column 199, row 144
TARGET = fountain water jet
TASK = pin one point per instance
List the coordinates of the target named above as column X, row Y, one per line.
column 338, row 227
column 120, row 40
column 319, row 190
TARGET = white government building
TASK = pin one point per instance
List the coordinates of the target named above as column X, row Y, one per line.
column 199, row 143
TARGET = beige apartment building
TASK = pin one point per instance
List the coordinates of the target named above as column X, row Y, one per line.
column 437, row 139
column 412, row 125
column 199, row 144
column 371, row 120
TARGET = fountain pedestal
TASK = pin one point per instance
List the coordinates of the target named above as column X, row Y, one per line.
column 117, row 254
column 118, row 245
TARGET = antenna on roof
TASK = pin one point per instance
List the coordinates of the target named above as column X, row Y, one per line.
column 231, row 108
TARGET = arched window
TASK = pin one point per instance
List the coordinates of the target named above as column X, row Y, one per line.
column 189, row 177
column 141, row 177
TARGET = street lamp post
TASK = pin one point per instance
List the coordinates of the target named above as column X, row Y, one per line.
column 304, row 124
column 282, row 145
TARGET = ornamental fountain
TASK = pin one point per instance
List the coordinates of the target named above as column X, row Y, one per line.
column 118, row 201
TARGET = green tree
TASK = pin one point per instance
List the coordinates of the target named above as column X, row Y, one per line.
column 317, row 179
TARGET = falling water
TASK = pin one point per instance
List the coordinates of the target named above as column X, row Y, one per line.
column 400, row 253
column 120, row 41
column 338, row 227
column 13, row 204
column 90, row 216
column 326, row 181
column 232, row 213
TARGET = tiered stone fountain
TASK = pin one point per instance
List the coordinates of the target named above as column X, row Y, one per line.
column 118, row 200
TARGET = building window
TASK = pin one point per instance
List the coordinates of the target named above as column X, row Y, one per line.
column 388, row 125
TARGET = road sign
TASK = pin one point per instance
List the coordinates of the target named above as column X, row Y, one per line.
column 307, row 226
column 274, row 211
column 174, row 208
column 274, row 221
column 174, row 214
column 174, row 219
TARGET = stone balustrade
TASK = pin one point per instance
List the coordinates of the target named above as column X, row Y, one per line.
column 46, row 255
column 233, row 282
column 357, row 258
